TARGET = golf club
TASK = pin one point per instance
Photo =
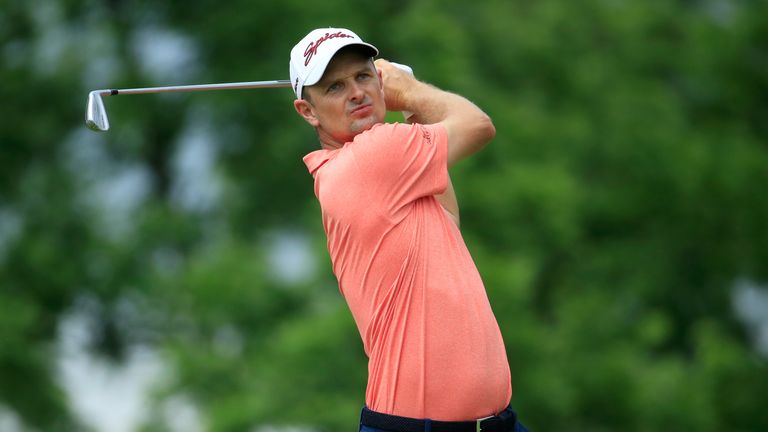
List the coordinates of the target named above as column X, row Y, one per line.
column 96, row 115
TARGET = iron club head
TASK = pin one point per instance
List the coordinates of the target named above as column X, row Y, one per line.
column 95, row 114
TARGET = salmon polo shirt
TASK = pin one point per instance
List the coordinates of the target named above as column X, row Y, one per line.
column 434, row 347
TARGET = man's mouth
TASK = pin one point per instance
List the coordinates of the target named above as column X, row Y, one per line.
column 362, row 110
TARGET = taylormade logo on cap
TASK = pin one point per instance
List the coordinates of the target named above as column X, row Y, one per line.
column 311, row 55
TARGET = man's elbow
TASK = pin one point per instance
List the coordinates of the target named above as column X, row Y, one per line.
column 490, row 128
column 486, row 130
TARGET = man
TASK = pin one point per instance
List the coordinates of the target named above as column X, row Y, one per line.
column 437, row 360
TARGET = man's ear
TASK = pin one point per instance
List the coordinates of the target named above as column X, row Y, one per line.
column 306, row 110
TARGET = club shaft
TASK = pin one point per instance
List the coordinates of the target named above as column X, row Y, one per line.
column 198, row 87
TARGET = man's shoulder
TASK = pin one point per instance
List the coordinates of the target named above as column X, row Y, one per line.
column 400, row 138
column 384, row 130
column 402, row 130
column 316, row 159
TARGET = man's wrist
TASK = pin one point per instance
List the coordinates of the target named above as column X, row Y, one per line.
column 412, row 97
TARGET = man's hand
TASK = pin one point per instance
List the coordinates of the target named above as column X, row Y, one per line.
column 397, row 83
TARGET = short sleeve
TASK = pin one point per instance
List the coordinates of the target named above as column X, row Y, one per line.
column 400, row 163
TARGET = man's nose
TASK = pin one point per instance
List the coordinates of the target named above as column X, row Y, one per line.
column 356, row 93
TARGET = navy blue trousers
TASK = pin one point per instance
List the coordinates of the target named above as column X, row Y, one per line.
column 518, row 427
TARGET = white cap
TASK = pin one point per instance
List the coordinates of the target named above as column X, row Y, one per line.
column 311, row 55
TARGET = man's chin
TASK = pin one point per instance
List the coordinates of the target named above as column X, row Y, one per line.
column 364, row 124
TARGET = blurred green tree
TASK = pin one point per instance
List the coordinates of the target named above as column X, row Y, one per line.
column 620, row 204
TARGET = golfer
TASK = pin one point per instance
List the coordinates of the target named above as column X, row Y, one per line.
column 437, row 360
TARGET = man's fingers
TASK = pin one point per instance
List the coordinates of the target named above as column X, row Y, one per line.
column 396, row 83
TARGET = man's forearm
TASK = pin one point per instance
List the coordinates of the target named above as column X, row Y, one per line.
column 468, row 127
column 430, row 104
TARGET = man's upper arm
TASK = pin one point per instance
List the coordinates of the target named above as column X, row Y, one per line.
column 449, row 202
column 403, row 162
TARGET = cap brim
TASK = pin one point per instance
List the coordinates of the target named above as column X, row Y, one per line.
column 316, row 74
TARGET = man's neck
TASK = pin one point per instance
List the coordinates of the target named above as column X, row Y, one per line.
column 327, row 142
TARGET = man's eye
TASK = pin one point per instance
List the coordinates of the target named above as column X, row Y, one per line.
column 363, row 76
column 333, row 87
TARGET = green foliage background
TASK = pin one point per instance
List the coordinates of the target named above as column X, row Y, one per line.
column 621, row 202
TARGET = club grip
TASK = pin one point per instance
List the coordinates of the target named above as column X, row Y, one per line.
column 403, row 67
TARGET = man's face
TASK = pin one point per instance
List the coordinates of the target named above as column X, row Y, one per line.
column 349, row 99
